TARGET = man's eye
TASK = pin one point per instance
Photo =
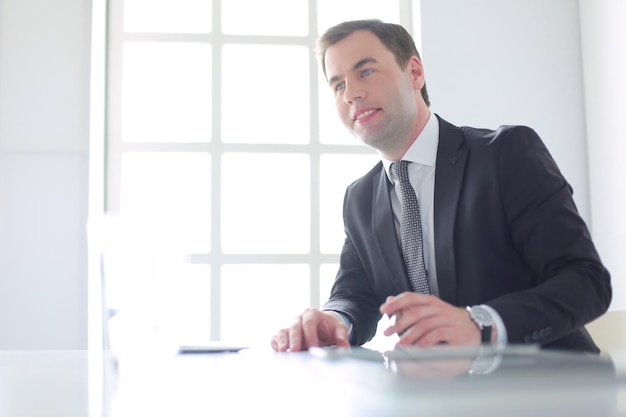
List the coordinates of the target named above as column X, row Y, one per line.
column 339, row 86
column 367, row 72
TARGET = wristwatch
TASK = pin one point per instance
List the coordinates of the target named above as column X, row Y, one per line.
column 483, row 319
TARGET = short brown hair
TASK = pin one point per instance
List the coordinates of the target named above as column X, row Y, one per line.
column 395, row 38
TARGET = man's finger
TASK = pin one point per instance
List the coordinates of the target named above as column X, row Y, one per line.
column 295, row 341
column 310, row 328
column 403, row 301
column 341, row 336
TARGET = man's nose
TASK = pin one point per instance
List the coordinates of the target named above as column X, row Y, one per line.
column 353, row 92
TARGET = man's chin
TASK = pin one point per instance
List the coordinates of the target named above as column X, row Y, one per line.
column 372, row 142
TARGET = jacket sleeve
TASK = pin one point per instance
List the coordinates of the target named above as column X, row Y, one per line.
column 572, row 285
column 352, row 293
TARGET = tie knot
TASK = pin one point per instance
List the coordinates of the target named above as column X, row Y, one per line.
column 402, row 170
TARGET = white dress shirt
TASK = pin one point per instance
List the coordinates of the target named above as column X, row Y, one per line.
column 423, row 155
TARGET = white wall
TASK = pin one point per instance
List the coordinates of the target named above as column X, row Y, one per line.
column 44, row 110
column 604, row 68
column 492, row 62
column 604, row 52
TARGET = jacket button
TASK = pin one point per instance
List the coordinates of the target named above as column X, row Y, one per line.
column 454, row 160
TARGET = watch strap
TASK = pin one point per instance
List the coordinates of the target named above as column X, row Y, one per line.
column 485, row 334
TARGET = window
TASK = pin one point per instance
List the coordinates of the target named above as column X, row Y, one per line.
column 225, row 161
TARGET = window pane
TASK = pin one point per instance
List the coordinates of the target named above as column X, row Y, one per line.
column 166, row 92
column 168, row 16
column 267, row 17
column 334, row 178
column 328, row 272
column 265, row 203
column 152, row 293
column 258, row 300
column 173, row 192
column 265, row 94
column 331, row 12
column 182, row 297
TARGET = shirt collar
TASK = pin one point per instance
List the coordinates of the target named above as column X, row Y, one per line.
column 423, row 150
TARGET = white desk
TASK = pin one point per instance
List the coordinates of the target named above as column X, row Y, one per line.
column 260, row 382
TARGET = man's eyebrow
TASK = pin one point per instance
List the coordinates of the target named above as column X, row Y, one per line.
column 361, row 63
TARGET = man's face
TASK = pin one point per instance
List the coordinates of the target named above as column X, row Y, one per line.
column 375, row 98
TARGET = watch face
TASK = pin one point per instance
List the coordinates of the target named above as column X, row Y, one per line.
column 481, row 315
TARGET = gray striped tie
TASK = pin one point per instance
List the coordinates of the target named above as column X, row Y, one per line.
column 411, row 231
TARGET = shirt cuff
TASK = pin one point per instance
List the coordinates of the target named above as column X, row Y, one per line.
column 344, row 318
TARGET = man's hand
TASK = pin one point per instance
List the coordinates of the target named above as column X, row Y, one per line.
column 426, row 320
column 312, row 328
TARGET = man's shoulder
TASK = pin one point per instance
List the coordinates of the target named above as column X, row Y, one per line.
column 482, row 134
column 366, row 181
column 476, row 135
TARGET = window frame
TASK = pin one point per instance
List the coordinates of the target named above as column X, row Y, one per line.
column 115, row 147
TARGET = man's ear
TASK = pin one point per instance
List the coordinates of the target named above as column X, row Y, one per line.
column 416, row 71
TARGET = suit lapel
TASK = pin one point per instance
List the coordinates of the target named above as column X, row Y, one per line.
column 451, row 160
column 385, row 234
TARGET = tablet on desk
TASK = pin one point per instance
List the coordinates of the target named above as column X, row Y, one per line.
column 336, row 352
column 213, row 347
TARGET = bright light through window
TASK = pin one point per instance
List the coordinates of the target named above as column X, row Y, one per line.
column 331, row 12
column 265, row 203
column 267, row 17
column 168, row 16
column 265, row 94
column 166, row 92
column 226, row 163
column 253, row 299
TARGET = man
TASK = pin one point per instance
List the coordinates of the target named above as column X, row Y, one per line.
column 505, row 255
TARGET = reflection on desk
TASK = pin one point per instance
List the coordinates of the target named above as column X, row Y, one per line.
column 260, row 382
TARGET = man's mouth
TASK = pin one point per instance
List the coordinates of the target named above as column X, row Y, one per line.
column 364, row 114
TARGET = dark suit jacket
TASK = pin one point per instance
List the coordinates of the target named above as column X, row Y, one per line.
column 507, row 234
